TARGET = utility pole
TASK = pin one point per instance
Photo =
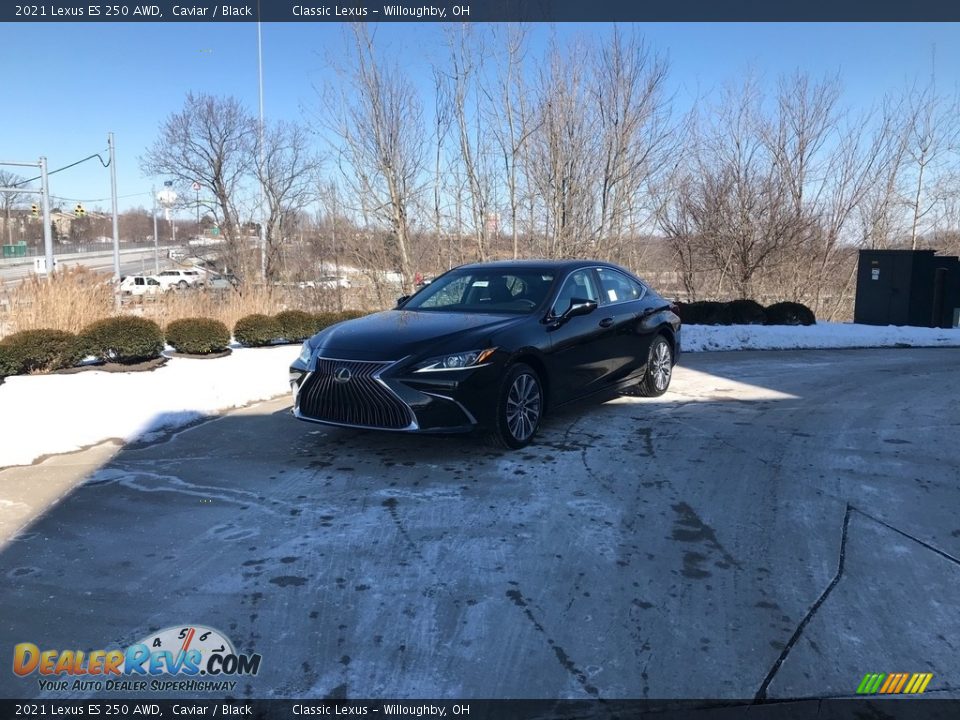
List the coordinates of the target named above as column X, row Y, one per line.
column 156, row 239
column 45, row 204
column 44, row 193
column 113, row 202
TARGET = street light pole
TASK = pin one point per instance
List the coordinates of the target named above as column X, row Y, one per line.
column 45, row 206
column 113, row 202
column 263, row 223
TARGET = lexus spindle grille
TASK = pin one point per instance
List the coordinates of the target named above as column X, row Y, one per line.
column 346, row 392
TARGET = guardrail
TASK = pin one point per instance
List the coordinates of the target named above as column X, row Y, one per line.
column 28, row 259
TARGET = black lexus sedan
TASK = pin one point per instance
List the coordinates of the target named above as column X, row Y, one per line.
column 490, row 346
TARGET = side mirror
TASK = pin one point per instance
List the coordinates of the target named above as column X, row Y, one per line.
column 579, row 306
column 403, row 299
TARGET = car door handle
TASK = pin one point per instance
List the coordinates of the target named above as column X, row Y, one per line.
column 606, row 322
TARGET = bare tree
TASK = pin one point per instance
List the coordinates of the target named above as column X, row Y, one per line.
column 462, row 90
column 210, row 141
column 378, row 119
column 880, row 212
column 510, row 123
column 933, row 134
column 635, row 136
column 288, row 175
column 10, row 200
column 564, row 155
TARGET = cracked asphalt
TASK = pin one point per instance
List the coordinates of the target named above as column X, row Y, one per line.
column 778, row 525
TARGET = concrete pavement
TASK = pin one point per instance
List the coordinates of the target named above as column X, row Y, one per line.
column 777, row 525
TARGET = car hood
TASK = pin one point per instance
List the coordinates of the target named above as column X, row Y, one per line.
column 395, row 334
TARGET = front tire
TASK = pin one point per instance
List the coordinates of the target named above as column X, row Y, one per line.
column 519, row 408
column 656, row 378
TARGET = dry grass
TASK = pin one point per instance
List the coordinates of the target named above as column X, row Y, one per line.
column 69, row 300
column 76, row 297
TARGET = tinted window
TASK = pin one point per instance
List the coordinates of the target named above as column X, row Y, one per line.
column 485, row 290
column 617, row 287
column 579, row 285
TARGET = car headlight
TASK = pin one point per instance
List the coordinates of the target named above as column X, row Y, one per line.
column 455, row 361
column 306, row 352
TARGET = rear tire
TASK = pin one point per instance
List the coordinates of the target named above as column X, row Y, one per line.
column 656, row 378
column 520, row 404
column 182, row 284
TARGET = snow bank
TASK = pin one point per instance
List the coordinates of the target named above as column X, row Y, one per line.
column 46, row 414
column 697, row 338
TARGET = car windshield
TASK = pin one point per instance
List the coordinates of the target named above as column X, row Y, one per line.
column 500, row 290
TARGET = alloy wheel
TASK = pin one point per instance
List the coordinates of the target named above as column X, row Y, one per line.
column 662, row 366
column 523, row 406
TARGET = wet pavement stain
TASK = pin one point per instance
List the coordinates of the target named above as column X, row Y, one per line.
column 517, row 597
column 688, row 527
column 288, row 580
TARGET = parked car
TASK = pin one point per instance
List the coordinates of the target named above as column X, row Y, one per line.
column 332, row 282
column 181, row 279
column 222, row 282
column 140, row 285
column 490, row 346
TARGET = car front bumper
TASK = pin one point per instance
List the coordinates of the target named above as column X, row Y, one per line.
column 389, row 396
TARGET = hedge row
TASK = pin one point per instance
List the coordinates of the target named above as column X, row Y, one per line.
column 289, row 326
column 128, row 339
column 745, row 312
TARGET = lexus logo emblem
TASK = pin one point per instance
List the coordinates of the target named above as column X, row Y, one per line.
column 342, row 375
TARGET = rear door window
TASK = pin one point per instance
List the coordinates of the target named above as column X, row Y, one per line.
column 617, row 287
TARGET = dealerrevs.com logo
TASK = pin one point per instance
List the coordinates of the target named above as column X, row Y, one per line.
column 184, row 658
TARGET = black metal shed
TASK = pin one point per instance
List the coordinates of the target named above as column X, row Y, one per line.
column 907, row 287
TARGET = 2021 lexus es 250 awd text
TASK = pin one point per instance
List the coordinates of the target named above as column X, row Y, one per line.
column 490, row 346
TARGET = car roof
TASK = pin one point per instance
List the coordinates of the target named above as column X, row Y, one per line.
column 537, row 264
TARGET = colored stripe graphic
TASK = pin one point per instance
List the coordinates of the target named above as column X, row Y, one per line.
column 894, row 683
column 891, row 681
column 903, row 681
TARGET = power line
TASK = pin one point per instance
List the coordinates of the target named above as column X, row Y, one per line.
column 93, row 200
column 65, row 167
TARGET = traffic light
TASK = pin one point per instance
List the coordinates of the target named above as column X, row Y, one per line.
column 35, row 210
column 80, row 211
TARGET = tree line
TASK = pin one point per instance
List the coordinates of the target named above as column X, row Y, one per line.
column 579, row 150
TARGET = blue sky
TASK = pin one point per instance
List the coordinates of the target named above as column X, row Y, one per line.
column 69, row 84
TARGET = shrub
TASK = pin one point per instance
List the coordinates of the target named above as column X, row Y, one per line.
column 123, row 339
column 790, row 313
column 296, row 325
column 39, row 350
column 257, row 330
column 198, row 336
column 9, row 365
column 705, row 312
column 747, row 312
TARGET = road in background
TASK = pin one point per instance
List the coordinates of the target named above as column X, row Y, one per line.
column 131, row 262
column 778, row 525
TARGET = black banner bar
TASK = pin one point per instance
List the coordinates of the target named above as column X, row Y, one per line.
column 840, row 709
column 483, row 11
